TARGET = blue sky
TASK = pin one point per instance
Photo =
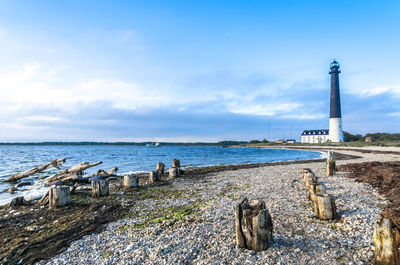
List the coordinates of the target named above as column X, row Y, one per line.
column 194, row 70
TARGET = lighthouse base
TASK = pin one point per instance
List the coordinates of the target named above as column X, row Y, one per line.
column 335, row 130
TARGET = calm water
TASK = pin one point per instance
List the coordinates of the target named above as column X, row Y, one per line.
column 130, row 159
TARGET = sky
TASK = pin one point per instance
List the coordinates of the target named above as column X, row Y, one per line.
column 194, row 70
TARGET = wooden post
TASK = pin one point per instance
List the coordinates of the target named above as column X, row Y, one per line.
column 316, row 188
column 59, row 196
column 253, row 225
column 176, row 163
column 387, row 242
column 325, row 208
column 130, row 181
column 160, row 167
column 154, row 176
column 310, row 178
column 330, row 164
column 174, row 172
column 100, row 187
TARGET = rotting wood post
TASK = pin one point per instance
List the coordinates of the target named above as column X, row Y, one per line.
column 174, row 172
column 100, row 187
column 176, row 163
column 59, row 196
column 130, row 181
column 330, row 164
column 330, row 168
column 316, row 188
column 325, row 208
column 154, row 176
column 253, row 225
column 304, row 171
column 309, row 179
column 387, row 242
column 160, row 167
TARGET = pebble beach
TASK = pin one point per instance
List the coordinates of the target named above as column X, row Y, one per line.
column 191, row 221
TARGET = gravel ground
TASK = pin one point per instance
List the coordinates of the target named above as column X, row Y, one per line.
column 194, row 224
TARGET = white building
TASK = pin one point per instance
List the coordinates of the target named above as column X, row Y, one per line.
column 315, row 136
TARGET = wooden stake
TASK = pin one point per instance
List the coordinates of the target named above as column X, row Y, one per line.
column 100, row 187
column 325, row 208
column 387, row 242
column 253, row 225
column 316, row 189
column 130, row 181
column 160, row 167
column 330, row 168
column 174, row 172
column 59, row 196
column 176, row 163
column 309, row 179
column 304, row 171
column 154, row 176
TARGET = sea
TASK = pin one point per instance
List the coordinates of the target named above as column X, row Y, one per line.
column 128, row 159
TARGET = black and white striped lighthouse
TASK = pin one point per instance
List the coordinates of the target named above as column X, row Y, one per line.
column 335, row 118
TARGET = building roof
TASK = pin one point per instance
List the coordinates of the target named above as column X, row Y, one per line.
column 316, row 132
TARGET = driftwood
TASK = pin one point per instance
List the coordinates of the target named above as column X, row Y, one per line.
column 73, row 171
column 325, row 208
column 160, row 167
column 100, row 188
column 59, row 196
column 101, row 174
column 35, row 170
column 130, row 181
column 44, row 199
column 253, row 225
column 154, row 176
column 387, row 242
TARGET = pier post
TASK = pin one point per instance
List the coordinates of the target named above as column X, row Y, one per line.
column 130, row 181
column 325, row 208
column 100, row 187
column 387, row 242
column 59, row 196
column 253, row 225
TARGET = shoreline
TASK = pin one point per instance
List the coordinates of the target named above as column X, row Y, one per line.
column 194, row 197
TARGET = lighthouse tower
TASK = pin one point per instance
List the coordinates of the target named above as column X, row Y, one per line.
column 335, row 118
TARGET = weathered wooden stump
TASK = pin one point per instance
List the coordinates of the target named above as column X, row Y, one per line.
column 325, row 208
column 253, row 225
column 309, row 179
column 176, row 163
column 330, row 164
column 330, row 168
column 59, row 196
column 100, row 187
column 316, row 188
column 130, row 181
column 160, row 167
column 387, row 242
column 154, row 176
column 174, row 173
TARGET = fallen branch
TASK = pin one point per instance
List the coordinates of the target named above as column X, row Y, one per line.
column 35, row 170
column 74, row 170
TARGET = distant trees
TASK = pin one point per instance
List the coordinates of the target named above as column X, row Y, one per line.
column 348, row 137
column 383, row 136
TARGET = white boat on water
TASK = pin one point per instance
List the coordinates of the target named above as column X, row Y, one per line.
column 153, row 145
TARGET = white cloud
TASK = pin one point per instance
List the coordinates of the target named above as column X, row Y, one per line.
column 265, row 110
column 393, row 89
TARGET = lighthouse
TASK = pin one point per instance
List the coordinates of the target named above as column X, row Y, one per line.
column 335, row 118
